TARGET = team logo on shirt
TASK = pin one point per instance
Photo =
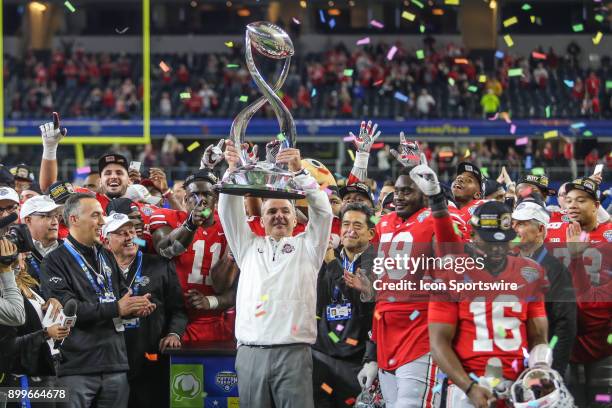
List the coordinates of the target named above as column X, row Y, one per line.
column 423, row 215
column 143, row 281
column 55, row 280
column 287, row 249
column 565, row 218
column 147, row 210
column 608, row 235
column 529, row 274
column 226, row 380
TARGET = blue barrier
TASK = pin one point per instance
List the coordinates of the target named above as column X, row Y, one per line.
column 195, row 128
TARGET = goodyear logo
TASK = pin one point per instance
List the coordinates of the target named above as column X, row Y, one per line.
column 226, row 380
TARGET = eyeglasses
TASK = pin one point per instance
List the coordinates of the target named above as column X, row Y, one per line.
column 47, row 215
column 10, row 209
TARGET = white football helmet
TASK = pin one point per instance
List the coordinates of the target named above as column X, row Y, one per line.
column 540, row 387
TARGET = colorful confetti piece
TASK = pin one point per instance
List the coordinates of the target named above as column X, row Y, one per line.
column 122, row 31
column 392, row 53
column 351, row 155
column 587, row 133
column 568, row 83
column 526, row 7
column 350, row 401
column 578, row 125
column 610, row 338
column 437, row 388
column 451, row 2
column 482, row 79
column 508, row 40
column 377, row 315
column 296, row 21
column 261, row 313
column 510, row 21
column 139, row 241
column 350, row 341
column 420, row 54
column 547, row 111
column 332, row 23
column 408, row 16
column 597, row 38
column 164, row 67
column 230, row 66
column 513, row 130
column 499, row 54
column 553, row 342
column 473, row 88
column 229, row 44
column 551, row 134
column 603, row 398
column 400, row 96
column 313, row 93
column 515, row 365
column 414, row 314
column 69, row 6
column 577, row 28
column 280, row 137
column 348, row 72
column 374, row 220
column 322, row 16
column 83, row 170
column 522, row 141
column 244, row 98
column 599, row 18
column 451, row 81
column 474, row 377
column 339, row 327
column 417, row 3
column 538, row 55
column 185, row 95
column 501, row 332
column 333, row 336
column 193, row 146
column 461, row 61
column 377, row 24
column 514, row 72
column 363, row 41
column 326, row 388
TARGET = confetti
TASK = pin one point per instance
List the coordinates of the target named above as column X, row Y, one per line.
column 379, row 82
column 69, row 6
column 193, row 146
column 122, row 31
column 230, row 66
column 244, row 98
column 526, row 7
column 333, row 336
column 296, row 21
column 350, row 341
column 538, row 55
column 597, row 38
column 547, row 111
column 414, row 315
column 508, row 40
column 280, row 137
column 578, row 125
column 515, row 365
column 377, row 24
column 551, row 134
column 422, row 28
column 461, row 61
column 568, row 83
column 374, row 219
column 451, row 81
column 264, row 298
column 532, row 19
column 164, row 67
column 437, row 388
column 400, row 96
column 408, row 16
column 363, row 41
column 441, row 376
column 603, row 398
column 474, row 377
column 499, row 54
column 501, row 332
column 513, row 72
column 420, row 54
column 578, row 28
column 83, row 170
column 351, row 155
column 313, row 93
column 229, row 44
column 587, row 133
column 185, row 95
column 553, row 342
column 339, row 327
column 392, row 361
column 513, row 129
column 510, row 21
column 451, row 2
column 348, row 72
column 326, row 388
column 391, row 53
column 332, row 23
column 482, row 78
column 377, row 315
column 322, row 16
column 599, row 18
column 610, row 338
column 417, row 3
column 349, row 138
column 139, row 241
column 350, row 401
column 473, row 88
column 261, row 313
column 522, row 141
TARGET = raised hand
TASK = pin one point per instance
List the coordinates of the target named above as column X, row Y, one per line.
column 272, row 149
column 408, row 154
column 51, row 134
column 213, row 155
column 367, row 136
column 425, row 178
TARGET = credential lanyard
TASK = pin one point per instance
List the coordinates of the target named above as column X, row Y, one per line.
column 99, row 284
column 137, row 275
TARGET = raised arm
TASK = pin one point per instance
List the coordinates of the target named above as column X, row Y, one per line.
column 51, row 134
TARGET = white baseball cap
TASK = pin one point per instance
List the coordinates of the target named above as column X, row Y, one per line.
column 38, row 204
column 139, row 193
column 7, row 193
column 528, row 210
column 114, row 222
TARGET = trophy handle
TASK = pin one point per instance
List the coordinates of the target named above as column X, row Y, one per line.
column 240, row 123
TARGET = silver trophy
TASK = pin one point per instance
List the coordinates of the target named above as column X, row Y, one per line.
column 264, row 178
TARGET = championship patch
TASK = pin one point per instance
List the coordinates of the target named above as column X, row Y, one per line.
column 608, row 235
column 226, row 380
column 423, row 215
column 529, row 274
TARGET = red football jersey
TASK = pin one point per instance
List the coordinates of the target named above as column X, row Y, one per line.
column 593, row 317
column 558, row 216
column 62, row 231
column 193, row 270
column 466, row 213
column 494, row 324
column 399, row 327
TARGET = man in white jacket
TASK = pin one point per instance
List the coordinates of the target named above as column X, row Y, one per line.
column 276, row 299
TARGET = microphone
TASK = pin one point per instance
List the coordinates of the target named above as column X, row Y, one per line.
column 8, row 220
column 67, row 318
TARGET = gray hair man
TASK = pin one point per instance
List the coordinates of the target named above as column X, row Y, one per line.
column 277, row 290
column 529, row 220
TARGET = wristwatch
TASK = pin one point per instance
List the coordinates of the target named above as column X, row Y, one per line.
column 46, row 333
column 302, row 172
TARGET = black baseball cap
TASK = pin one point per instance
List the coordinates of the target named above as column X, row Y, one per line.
column 492, row 186
column 492, row 221
column 201, row 175
column 361, row 188
column 585, row 184
column 22, row 172
column 467, row 167
column 60, row 191
column 111, row 158
column 541, row 182
column 6, row 178
column 121, row 205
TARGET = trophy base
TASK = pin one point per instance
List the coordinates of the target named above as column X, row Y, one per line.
column 262, row 180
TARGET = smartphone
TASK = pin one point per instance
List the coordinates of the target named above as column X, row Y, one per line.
column 135, row 165
column 598, row 169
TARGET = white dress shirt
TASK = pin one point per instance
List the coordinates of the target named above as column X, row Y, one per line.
column 277, row 289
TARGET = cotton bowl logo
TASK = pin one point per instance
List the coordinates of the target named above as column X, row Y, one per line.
column 226, row 380
column 186, row 386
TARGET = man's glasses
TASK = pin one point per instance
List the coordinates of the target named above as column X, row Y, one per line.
column 47, row 215
column 9, row 209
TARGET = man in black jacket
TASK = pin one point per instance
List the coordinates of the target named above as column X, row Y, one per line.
column 95, row 363
column 145, row 338
column 529, row 221
column 343, row 319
